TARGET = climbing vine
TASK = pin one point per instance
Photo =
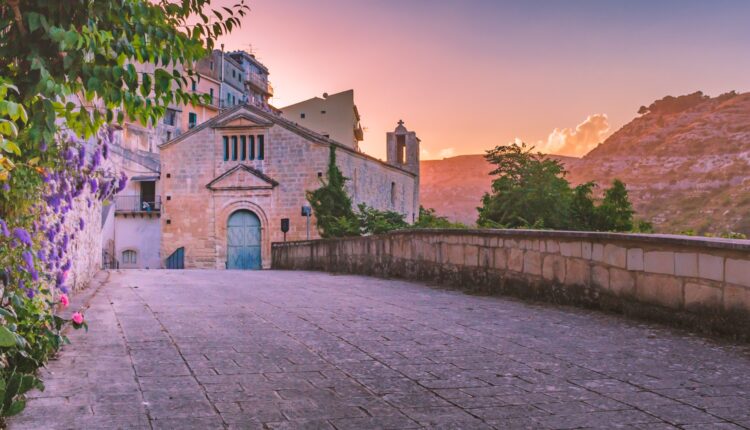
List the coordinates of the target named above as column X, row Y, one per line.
column 70, row 73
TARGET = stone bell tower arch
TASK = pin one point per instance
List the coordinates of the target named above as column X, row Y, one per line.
column 403, row 152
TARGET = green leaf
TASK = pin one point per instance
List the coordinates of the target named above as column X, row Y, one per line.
column 6, row 337
column 15, row 408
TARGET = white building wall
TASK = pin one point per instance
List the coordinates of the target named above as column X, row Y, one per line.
column 142, row 235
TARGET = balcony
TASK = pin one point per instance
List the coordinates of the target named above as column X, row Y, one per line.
column 137, row 205
column 260, row 83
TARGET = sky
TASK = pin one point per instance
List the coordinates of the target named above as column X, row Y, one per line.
column 467, row 75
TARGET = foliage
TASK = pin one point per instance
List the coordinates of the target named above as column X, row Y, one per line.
column 67, row 69
column 530, row 191
column 332, row 205
column 429, row 219
column 374, row 221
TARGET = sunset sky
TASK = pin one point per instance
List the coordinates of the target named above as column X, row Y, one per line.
column 469, row 75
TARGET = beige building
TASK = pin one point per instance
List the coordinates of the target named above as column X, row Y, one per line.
column 228, row 183
column 334, row 116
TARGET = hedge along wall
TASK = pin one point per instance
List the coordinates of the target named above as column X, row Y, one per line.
column 702, row 283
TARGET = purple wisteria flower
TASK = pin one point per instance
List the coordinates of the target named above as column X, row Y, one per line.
column 96, row 159
column 28, row 259
column 81, row 224
column 122, row 182
column 81, row 156
column 30, row 293
column 4, row 228
column 6, row 187
column 22, row 235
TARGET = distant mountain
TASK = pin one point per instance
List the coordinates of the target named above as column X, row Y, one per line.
column 686, row 161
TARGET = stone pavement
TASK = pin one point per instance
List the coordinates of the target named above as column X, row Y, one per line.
column 269, row 349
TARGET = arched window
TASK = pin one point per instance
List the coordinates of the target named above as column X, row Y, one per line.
column 129, row 257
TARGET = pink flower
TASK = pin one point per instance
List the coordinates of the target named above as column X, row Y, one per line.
column 64, row 300
column 77, row 318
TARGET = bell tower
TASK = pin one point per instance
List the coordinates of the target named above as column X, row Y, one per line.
column 403, row 152
column 403, row 148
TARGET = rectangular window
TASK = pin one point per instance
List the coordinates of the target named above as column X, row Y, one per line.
column 234, row 148
column 169, row 117
column 229, row 99
column 261, row 147
column 192, row 119
column 226, row 147
column 194, row 86
column 251, row 147
column 243, row 148
column 211, row 95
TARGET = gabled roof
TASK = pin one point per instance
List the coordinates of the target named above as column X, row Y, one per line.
column 245, row 178
column 254, row 113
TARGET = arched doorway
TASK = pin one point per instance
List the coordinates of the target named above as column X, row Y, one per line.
column 243, row 241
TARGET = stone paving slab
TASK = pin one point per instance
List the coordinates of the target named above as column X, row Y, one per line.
column 305, row 350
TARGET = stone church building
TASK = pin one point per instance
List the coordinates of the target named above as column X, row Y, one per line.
column 227, row 183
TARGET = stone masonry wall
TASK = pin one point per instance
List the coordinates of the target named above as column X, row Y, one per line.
column 702, row 283
column 86, row 246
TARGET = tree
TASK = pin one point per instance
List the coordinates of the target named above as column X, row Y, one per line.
column 530, row 190
column 332, row 205
column 583, row 212
column 615, row 211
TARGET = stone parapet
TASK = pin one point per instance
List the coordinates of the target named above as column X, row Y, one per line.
column 701, row 283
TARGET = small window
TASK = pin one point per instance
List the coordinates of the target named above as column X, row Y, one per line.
column 302, row 115
column 211, row 65
column 393, row 194
column 169, row 136
column 251, row 147
column 234, row 148
column 243, row 148
column 170, row 116
column 226, row 147
column 129, row 257
column 229, row 99
column 192, row 119
column 233, row 75
column 211, row 95
column 194, row 86
column 261, row 147
column 323, row 112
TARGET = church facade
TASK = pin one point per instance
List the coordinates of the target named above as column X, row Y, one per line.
column 228, row 184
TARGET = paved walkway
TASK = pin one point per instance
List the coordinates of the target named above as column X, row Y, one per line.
column 218, row 349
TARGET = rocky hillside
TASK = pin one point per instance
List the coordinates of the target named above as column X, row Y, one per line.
column 686, row 161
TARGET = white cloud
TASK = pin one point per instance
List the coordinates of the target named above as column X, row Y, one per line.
column 578, row 141
column 447, row 152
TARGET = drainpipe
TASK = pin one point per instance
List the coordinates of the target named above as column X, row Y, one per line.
column 221, row 80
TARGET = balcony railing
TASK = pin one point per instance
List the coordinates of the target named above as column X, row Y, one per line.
column 261, row 84
column 137, row 204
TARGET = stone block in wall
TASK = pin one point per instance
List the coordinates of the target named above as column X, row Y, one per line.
column 455, row 254
column 500, row 261
column 663, row 290
column 686, row 264
column 711, row 267
column 621, row 282
column 485, row 257
column 615, row 256
column 600, row 276
column 659, row 262
column 511, row 243
column 635, row 259
column 597, row 252
column 471, row 255
column 553, row 268
column 736, row 298
column 738, row 272
column 577, row 271
column 532, row 263
column 553, row 246
column 586, row 250
column 515, row 260
column 571, row 249
column 702, row 296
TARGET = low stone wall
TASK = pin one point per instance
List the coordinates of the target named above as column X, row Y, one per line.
column 702, row 283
